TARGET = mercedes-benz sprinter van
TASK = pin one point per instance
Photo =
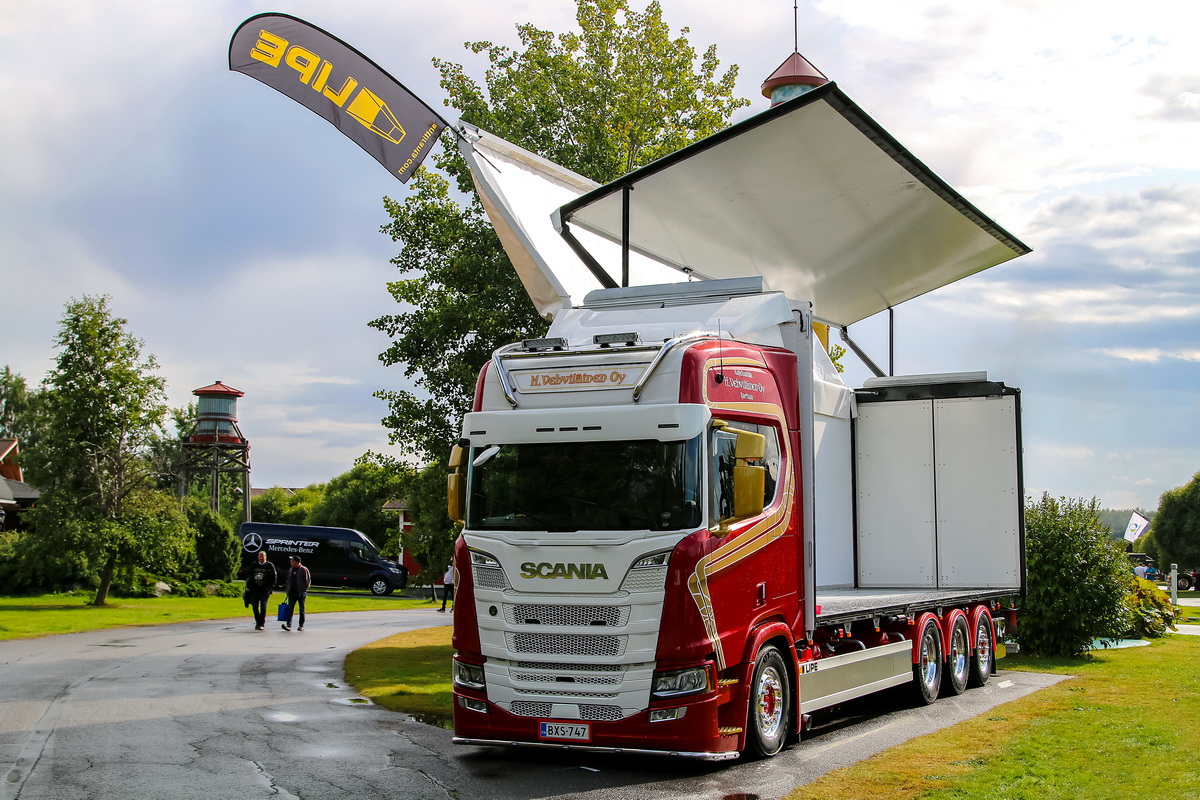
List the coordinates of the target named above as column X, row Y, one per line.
column 334, row 556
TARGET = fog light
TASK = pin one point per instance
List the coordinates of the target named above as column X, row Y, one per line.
column 665, row 714
column 471, row 704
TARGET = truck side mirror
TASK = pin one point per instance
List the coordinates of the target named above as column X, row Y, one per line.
column 749, row 481
column 744, row 483
column 456, row 485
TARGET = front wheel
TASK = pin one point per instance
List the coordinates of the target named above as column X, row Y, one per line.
column 1183, row 582
column 770, row 704
column 927, row 671
column 380, row 587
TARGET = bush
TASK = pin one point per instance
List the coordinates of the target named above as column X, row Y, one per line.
column 218, row 549
column 1078, row 579
column 136, row 582
column 209, row 589
column 1152, row 611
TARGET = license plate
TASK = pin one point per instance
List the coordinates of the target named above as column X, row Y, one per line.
column 571, row 731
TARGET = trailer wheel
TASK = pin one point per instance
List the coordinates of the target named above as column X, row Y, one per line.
column 380, row 587
column 985, row 652
column 770, row 704
column 927, row 671
column 958, row 660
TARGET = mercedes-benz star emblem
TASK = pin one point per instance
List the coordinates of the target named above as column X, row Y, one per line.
column 252, row 543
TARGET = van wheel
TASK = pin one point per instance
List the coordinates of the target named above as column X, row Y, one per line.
column 985, row 652
column 927, row 671
column 958, row 660
column 380, row 587
column 770, row 705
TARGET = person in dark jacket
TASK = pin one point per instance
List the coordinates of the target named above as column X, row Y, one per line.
column 259, row 583
column 296, row 584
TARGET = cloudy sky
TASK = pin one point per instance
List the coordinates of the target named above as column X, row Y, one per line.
column 238, row 233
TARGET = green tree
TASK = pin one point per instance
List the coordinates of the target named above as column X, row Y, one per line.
column 431, row 540
column 617, row 94
column 218, row 549
column 355, row 499
column 20, row 410
column 1177, row 525
column 286, row 507
column 1078, row 577
column 103, row 407
column 14, row 398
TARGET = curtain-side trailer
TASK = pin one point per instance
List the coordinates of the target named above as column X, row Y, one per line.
column 683, row 532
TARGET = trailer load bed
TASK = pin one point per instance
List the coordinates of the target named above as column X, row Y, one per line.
column 843, row 606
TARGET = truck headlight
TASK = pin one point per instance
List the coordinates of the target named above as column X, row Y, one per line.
column 485, row 560
column 653, row 560
column 469, row 675
column 395, row 570
column 678, row 682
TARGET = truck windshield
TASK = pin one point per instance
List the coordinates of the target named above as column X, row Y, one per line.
column 605, row 486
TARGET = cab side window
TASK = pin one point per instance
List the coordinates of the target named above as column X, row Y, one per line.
column 723, row 445
column 359, row 550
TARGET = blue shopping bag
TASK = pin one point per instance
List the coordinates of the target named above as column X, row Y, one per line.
column 282, row 615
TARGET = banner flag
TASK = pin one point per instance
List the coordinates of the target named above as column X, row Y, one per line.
column 1137, row 525
column 340, row 84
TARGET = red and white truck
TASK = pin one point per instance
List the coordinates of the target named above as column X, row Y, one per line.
column 683, row 532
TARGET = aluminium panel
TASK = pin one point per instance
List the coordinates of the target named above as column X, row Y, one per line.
column 895, row 495
column 978, row 493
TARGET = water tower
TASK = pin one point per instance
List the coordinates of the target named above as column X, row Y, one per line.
column 216, row 446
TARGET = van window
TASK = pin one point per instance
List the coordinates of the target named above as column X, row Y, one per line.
column 359, row 550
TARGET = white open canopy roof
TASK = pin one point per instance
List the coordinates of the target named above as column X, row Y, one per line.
column 520, row 191
column 814, row 196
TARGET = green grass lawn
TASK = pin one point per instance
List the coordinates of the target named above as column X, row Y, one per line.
column 1126, row 724
column 408, row 672
column 23, row 617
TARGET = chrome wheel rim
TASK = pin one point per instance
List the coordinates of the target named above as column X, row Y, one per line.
column 959, row 653
column 769, row 703
column 929, row 654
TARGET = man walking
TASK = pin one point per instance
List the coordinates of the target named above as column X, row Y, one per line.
column 297, row 583
column 259, row 583
column 447, row 588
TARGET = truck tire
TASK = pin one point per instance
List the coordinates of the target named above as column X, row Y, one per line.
column 984, row 656
column 958, row 660
column 770, row 705
column 927, row 670
column 380, row 586
column 1183, row 582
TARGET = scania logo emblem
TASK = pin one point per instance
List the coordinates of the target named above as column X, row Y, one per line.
column 252, row 543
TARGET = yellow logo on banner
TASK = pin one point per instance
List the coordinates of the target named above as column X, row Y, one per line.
column 366, row 107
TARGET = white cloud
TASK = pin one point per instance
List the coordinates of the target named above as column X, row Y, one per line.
column 1150, row 355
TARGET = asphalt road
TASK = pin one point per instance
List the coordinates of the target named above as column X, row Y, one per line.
column 218, row 710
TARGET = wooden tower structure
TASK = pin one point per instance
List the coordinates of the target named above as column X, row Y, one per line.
column 216, row 445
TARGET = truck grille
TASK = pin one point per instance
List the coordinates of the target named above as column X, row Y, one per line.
column 645, row 580
column 565, row 644
column 487, row 578
column 549, row 693
column 570, row 667
column 591, row 713
column 527, row 708
column 581, row 616
column 563, row 676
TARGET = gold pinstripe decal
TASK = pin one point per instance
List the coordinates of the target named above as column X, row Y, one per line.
column 753, row 538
